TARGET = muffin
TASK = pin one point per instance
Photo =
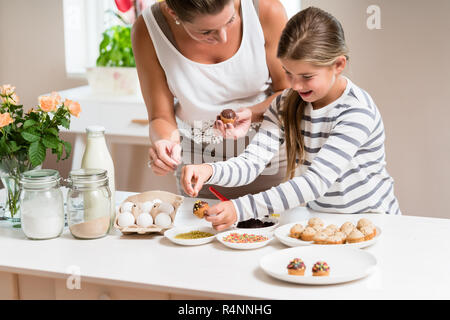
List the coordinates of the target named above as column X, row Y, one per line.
column 316, row 223
column 347, row 227
column 296, row 231
column 308, row 234
column 228, row 116
column 334, row 239
column 199, row 208
column 296, row 267
column 341, row 235
column 355, row 236
column 320, row 238
column 368, row 232
column 321, row 269
column 363, row 223
column 331, row 229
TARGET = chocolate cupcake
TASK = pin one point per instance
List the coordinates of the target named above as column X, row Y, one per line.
column 321, row 269
column 296, row 267
column 200, row 207
column 228, row 116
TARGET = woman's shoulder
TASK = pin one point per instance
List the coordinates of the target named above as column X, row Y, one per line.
column 272, row 16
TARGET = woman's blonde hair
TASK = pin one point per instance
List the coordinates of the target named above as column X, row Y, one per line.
column 313, row 36
column 187, row 10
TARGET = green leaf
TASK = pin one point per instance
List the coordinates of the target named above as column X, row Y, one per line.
column 50, row 141
column 29, row 123
column 36, row 153
column 13, row 146
column 65, row 123
column 31, row 135
column 52, row 131
column 68, row 148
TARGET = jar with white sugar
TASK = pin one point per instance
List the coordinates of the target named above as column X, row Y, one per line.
column 42, row 204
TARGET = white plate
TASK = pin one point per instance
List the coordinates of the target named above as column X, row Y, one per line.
column 346, row 264
column 265, row 229
column 171, row 233
column 244, row 246
column 282, row 234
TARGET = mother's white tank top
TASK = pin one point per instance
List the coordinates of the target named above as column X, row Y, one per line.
column 204, row 90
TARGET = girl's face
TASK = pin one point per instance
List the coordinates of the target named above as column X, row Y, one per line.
column 313, row 83
column 212, row 29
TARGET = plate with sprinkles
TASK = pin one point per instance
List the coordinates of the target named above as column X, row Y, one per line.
column 241, row 239
column 191, row 236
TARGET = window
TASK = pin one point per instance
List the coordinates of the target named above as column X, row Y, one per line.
column 84, row 22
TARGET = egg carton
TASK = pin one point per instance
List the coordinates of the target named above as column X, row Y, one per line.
column 138, row 199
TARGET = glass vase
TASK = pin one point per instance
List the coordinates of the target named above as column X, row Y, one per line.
column 10, row 169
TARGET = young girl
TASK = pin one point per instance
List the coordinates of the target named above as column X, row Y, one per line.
column 332, row 129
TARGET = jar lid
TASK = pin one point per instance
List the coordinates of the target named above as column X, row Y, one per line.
column 87, row 177
column 39, row 178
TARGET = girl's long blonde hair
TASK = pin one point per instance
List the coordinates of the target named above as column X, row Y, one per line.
column 313, row 36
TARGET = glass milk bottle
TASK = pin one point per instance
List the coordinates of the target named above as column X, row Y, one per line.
column 96, row 156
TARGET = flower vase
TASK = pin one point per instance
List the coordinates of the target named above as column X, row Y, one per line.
column 10, row 171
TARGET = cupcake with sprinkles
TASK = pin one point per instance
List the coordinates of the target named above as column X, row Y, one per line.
column 200, row 207
column 321, row 269
column 296, row 267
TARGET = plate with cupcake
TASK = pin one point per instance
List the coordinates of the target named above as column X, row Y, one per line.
column 319, row 265
column 361, row 234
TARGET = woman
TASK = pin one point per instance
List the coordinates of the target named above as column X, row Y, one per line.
column 206, row 56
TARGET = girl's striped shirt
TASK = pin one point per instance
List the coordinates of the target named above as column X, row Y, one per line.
column 344, row 168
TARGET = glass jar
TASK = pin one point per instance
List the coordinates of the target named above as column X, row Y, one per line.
column 42, row 204
column 88, row 203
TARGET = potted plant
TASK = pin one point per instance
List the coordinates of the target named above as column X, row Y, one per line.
column 115, row 71
column 26, row 136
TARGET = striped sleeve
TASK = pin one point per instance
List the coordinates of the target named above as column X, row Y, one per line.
column 351, row 130
column 246, row 167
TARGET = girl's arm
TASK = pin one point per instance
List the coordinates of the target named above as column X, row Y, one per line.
column 246, row 167
column 352, row 129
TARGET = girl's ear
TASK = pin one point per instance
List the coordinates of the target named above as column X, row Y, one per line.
column 339, row 64
column 171, row 12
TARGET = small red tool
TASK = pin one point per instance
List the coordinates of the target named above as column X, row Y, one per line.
column 218, row 194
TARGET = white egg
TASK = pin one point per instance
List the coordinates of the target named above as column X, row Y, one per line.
column 126, row 206
column 125, row 219
column 147, row 206
column 144, row 220
column 163, row 220
column 166, row 207
column 157, row 201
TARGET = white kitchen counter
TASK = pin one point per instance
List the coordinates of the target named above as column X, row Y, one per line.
column 413, row 262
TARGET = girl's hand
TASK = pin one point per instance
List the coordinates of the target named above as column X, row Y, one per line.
column 240, row 127
column 221, row 215
column 165, row 156
column 195, row 175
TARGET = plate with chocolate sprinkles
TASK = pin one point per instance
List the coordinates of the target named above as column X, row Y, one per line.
column 191, row 236
column 258, row 225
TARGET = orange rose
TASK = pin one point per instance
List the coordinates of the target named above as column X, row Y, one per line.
column 73, row 107
column 7, row 89
column 5, row 119
column 48, row 103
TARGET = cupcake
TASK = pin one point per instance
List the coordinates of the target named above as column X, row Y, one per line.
column 364, row 222
column 321, row 269
column 355, row 236
column 316, row 223
column 228, row 116
column 347, row 227
column 200, row 207
column 334, row 239
column 320, row 237
column 341, row 235
column 308, row 234
column 368, row 232
column 330, row 229
column 296, row 231
column 296, row 267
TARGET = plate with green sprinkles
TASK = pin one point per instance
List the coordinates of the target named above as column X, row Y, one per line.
column 191, row 236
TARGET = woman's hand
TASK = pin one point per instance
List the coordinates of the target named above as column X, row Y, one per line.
column 165, row 156
column 195, row 175
column 221, row 215
column 240, row 127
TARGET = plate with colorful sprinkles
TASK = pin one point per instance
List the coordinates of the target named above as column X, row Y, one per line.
column 241, row 239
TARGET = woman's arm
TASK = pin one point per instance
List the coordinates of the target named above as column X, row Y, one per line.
column 273, row 18
column 163, row 130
